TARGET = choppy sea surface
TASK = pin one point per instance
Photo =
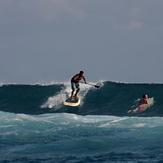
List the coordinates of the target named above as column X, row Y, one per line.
column 36, row 127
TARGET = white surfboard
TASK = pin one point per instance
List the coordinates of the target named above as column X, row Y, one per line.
column 72, row 102
column 142, row 107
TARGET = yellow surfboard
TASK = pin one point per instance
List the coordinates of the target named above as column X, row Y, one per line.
column 72, row 102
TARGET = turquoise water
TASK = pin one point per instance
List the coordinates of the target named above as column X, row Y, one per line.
column 36, row 127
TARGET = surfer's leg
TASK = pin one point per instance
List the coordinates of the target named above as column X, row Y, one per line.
column 78, row 89
column 72, row 93
column 73, row 89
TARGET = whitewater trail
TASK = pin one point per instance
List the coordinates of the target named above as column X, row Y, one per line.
column 56, row 102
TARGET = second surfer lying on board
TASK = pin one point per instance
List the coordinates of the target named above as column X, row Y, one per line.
column 140, row 106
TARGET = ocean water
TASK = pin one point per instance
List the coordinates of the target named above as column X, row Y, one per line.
column 35, row 127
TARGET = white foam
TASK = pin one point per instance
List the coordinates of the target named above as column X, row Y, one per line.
column 49, row 83
column 57, row 100
column 117, row 120
column 139, row 125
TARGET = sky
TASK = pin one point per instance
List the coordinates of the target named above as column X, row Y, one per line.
column 51, row 40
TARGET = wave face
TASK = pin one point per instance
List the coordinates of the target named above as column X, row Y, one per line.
column 110, row 99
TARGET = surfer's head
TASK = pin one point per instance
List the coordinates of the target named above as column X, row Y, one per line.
column 145, row 96
column 81, row 73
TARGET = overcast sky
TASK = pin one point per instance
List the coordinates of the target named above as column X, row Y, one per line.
column 50, row 40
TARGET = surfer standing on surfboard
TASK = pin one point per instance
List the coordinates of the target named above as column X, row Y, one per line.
column 75, row 83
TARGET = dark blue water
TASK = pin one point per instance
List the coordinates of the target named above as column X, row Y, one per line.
column 36, row 127
column 110, row 99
